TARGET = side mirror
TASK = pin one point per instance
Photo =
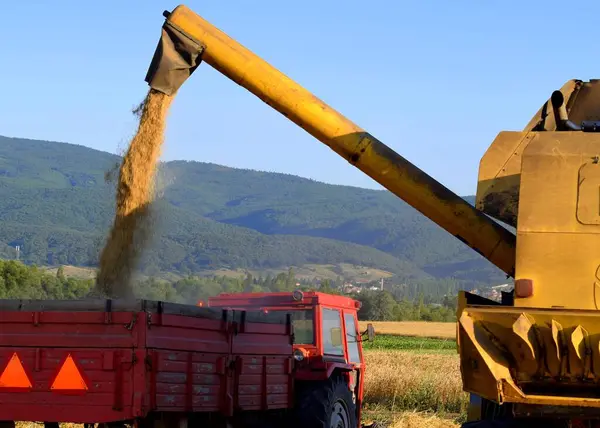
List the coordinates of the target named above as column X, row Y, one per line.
column 370, row 332
column 336, row 337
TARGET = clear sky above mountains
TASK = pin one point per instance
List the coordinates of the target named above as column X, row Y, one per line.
column 435, row 80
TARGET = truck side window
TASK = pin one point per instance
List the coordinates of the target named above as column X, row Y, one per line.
column 352, row 339
column 332, row 333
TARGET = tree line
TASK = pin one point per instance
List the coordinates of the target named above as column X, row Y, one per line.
column 19, row 281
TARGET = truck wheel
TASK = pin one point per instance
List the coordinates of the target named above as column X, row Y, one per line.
column 326, row 405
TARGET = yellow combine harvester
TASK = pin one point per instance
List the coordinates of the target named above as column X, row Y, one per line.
column 535, row 357
column 538, row 352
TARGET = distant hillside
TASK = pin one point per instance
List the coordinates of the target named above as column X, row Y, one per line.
column 56, row 205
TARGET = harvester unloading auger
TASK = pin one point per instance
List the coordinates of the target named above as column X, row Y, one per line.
column 187, row 40
column 536, row 354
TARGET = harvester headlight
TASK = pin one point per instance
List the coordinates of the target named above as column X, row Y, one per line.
column 299, row 354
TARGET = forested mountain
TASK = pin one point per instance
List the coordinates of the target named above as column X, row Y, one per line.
column 56, row 205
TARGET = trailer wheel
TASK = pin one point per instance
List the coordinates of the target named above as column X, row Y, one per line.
column 326, row 405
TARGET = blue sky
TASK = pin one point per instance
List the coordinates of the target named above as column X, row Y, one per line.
column 435, row 80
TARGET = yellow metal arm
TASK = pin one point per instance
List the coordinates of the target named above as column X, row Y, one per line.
column 188, row 39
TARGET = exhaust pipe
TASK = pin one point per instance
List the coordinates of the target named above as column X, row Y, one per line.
column 561, row 117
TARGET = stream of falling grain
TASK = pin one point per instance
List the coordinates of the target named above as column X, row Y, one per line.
column 130, row 230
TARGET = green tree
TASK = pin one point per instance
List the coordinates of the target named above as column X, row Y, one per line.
column 291, row 279
column 383, row 306
column 60, row 273
column 248, row 282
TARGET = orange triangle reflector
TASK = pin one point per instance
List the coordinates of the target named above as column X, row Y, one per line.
column 69, row 378
column 14, row 375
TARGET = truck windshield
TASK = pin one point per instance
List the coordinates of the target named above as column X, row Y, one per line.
column 303, row 322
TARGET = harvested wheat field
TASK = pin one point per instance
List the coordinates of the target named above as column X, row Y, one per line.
column 422, row 420
column 405, row 420
column 408, row 381
column 418, row 420
column 40, row 425
column 442, row 330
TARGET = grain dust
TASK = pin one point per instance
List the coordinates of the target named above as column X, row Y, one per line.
column 131, row 227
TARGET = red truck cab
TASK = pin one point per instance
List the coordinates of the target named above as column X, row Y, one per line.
column 327, row 345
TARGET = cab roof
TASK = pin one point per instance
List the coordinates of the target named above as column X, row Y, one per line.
column 282, row 300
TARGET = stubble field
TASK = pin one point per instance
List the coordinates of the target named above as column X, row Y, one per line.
column 437, row 330
column 413, row 377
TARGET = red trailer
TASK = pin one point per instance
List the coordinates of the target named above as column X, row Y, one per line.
column 248, row 360
column 142, row 362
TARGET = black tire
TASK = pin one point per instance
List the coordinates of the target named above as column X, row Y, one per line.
column 496, row 416
column 326, row 405
column 492, row 415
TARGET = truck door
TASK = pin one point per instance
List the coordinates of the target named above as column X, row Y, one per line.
column 334, row 345
column 341, row 344
column 352, row 339
column 331, row 333
column 354, row 355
